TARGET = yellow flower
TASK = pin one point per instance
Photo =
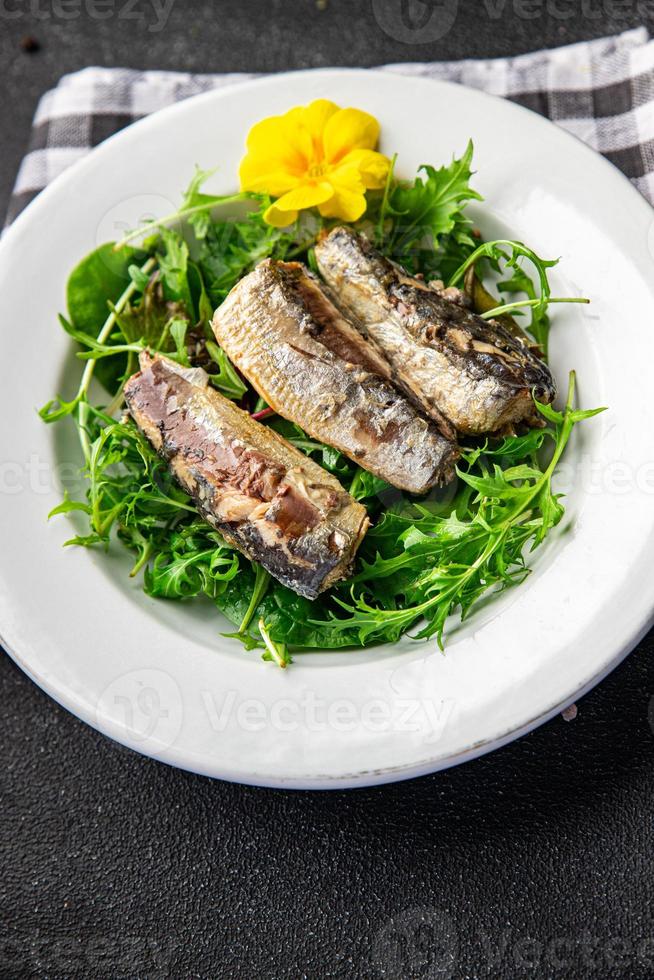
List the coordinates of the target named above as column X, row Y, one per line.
column 314, row 156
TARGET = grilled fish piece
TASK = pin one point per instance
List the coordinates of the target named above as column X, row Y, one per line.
column 311, row 365
column 467, row 373
column 265, row 497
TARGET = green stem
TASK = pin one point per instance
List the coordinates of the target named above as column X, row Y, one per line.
column 405, row 617
column 379, row 230
column 261, row 582
column 299, row 249
column 277, row 651
column 486, row 250
column 489, row 314
column 82, row 409
column 96, row 354
column 143, row 560
column 117, row 400
column 566, row 428
column 178, row 215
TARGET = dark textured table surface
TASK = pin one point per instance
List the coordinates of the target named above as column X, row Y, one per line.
column 536, row 861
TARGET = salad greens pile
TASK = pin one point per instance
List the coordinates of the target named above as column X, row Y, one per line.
column 423, row 558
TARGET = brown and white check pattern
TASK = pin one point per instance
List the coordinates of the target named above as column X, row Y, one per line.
column 601, row 91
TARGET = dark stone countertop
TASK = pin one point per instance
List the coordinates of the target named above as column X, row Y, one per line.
column 535, row 861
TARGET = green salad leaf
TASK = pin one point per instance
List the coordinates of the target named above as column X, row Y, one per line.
column 511, row 256
column 231, row 248
column 97, row 280
column 424, row 560
column 448, row 563
column 424, row 222
column 173, row 266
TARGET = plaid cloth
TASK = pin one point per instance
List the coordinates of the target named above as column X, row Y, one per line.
column 601, row 91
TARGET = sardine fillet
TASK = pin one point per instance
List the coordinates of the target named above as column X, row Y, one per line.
column 266, row 498
column 470, row 371
column 314, row 368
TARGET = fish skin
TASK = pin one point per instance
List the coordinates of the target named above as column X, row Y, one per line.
column 468, row 374
column 270, row 501
column 313, row 367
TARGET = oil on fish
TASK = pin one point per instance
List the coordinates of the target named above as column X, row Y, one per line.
column 312, row 366
column 470, row 375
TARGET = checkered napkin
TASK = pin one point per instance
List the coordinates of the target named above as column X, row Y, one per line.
column 600, row 91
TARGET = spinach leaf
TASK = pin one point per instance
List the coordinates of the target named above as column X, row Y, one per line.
column 422, row 560
column 101, row 277
column 98, row 280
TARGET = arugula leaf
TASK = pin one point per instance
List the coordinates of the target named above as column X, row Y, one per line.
column 173, row 263
column 261, row 585
column 58, row 408
column 178, row 328
column 138, row 277
column 196, row 208
column 199, row 205
column 149, row 320
column 185, row 574
column 201, row 302
column 512, row 254
column 365, row 484
column 427, row 217
column 230, row 249
column 449, row 563
column 226, row 379
column 420, row 561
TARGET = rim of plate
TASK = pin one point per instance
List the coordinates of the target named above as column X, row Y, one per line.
column 637, row 627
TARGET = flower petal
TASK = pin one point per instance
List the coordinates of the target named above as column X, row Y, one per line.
column 373, row 167
column 315, row 117
column 347, row 177
column 282, row 142
column 345, row 204
column 334, row 146
column 279, row 219
column 349, row 129
column 306, row 195
column 261, row 176
column 297, row 137
column 348, row 201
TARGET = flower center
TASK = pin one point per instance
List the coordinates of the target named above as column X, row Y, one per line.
column 316, row 171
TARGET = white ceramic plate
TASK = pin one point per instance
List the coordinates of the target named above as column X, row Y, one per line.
column 158, row 676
